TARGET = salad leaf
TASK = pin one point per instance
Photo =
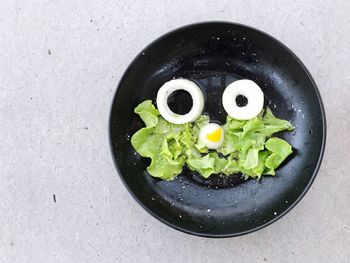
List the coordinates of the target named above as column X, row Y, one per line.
column 148, row 113
column 164, row 168
column 252, row 159
column 248, row 147
column 231, row 166
column 211, row 163
column 160, row 141
column 273, row 124
column 260, row 168
column 252, row 125
column 230, row 145
column 204, row 165
column 280, row 150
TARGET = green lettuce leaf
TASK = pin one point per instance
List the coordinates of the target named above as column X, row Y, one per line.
column 164, row 168
column 259, row 169
column 280, row 150
column 148, row 113
column 231, row 166
column 252, row 125
column 247, row 146
column 251, row 159
column 198, row 124
column 160, row 141
column 273, row 124
column 211, row 163
column 204, row 165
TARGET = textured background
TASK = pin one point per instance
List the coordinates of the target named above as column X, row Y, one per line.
column 60, row 62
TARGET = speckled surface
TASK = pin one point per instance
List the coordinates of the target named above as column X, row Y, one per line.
column 61, row 199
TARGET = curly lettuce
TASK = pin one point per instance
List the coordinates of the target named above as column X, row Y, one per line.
column 248, row 148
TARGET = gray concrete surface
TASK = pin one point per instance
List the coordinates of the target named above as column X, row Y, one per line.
column 60, row 62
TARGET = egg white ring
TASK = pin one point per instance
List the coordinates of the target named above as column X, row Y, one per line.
column 251, row 91
column 180, row 84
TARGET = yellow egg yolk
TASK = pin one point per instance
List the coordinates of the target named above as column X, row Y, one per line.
column 215, row 136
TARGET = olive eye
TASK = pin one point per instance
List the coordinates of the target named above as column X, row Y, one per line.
column 243, row 99
column 188, row 92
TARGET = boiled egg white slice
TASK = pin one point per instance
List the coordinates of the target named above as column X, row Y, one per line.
column 212, row 135
column 180, row 84
column 248, row 89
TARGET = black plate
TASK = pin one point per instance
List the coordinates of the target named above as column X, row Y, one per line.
column 214, row 55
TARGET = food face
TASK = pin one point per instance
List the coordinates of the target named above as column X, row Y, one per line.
column 244, row 144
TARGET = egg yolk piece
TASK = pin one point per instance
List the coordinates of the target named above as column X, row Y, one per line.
column 211, row 135
column 215, row 136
